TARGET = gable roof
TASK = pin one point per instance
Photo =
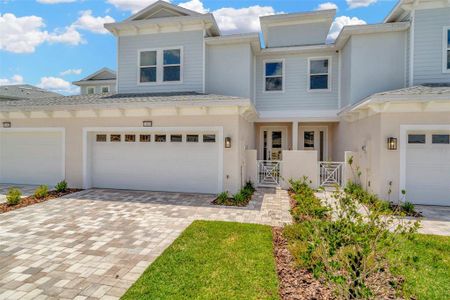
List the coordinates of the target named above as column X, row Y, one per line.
column 104, row 74
column 24, row 91
column 152, row 11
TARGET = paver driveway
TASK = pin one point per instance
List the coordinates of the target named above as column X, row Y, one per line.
column 96, row 243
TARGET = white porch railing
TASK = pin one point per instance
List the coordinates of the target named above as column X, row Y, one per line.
column 268, row 172
column 331, row 173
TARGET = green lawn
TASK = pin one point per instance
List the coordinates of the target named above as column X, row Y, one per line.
column 213, row 260
column 425, row 266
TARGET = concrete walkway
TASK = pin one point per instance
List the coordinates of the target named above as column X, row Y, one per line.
column 96, row 243
column 436, row 219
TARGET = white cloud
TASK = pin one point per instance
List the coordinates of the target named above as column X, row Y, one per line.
column 327, row 5
column 195, row 5
column 234, row 20
column 71, row 72
column 94, row 24
column 131, row 5
column 58, row 85
column 16, row 79
column 24, row 34
column 55, row 1
column 339, row 23
column 360, row 3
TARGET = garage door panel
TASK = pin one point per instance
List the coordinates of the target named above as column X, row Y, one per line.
column 428, row 173
column 31, row 157
column 166, row 166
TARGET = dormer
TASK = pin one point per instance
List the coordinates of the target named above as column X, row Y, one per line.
column 298, row 29
column 161, row 17
column 101, row 82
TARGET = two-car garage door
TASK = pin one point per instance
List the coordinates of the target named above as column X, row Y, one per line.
column 176, row 161
column 427, row 168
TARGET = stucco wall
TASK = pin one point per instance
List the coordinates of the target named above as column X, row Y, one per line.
column 378, row 164
column 74, row 141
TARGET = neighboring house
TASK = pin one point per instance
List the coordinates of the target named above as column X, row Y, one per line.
column 101, row 82
column 198, row 111
column 24, row 91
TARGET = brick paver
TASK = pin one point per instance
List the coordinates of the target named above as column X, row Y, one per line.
column 96, row 243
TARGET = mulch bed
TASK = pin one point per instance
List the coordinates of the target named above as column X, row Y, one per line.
column 30, row 200
column 415, row 214
column 232, row 202
column 295, row 283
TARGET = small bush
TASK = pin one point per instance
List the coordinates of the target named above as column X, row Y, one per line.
column 61, row 186
column 13, row 197
column 222, row 198
column 308, row 206
column 249, row 186
column 408, row 207
column 41, row 192
column 240, row 197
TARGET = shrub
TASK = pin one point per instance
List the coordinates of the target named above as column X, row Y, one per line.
column 61, row 186
column 408, row 207
column 307, row 205
column 41, row 192
column 222, row 198
column 240, row 197
column 349, row 251
column 13, row 197
column 249, row 186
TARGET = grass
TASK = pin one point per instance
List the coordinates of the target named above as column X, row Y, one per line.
column 425, row 266
column 213, row 260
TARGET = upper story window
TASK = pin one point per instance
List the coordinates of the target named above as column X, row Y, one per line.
column 147, row 66
column 160, row 65
column 273, row 76
column 105, row 89
column 172, row 65
column 319, row 73
column 446, row 63
column 90, row 90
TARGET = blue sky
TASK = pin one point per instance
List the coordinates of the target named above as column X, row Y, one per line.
column 50, row 43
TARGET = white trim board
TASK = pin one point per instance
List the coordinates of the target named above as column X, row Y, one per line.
column 86, row 130
column 45, row 129
column 403, row 141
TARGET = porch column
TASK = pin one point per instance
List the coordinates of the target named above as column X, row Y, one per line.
column 295, row 135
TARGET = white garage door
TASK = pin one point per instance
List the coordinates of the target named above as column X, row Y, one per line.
column 31, row 157
column 428, row 168
column 165, row 161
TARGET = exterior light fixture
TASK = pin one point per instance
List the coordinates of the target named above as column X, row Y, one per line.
column 392, row 143
column 227, row 142
column 147, row 123
column 6, row 124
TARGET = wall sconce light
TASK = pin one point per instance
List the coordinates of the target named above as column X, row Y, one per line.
column 391, row 143
column 227, row 142
column 6, row 124
column 147, row 123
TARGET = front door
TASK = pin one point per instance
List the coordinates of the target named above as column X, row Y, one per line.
column 274, row 141
column 314, row 138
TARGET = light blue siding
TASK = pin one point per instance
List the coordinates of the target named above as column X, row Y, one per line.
column 346, row 67
column 296, row 35
column 229, row 70
column 428, row 45
column 192, row 43
column 296, row 95
column 377, row 63
column 97, row 88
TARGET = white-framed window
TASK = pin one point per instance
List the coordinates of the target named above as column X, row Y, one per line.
column 148, row 66
column 273, row 75
column 105, row 89
column 172, row 65
column 319, row 70
column 446, row 50
column 160, row 65
column 90, row 90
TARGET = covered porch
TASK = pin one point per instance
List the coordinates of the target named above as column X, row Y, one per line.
column 292, row 150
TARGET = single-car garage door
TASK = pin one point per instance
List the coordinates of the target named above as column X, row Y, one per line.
column 156, row 161
column 428, row 167
column 30, row 156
